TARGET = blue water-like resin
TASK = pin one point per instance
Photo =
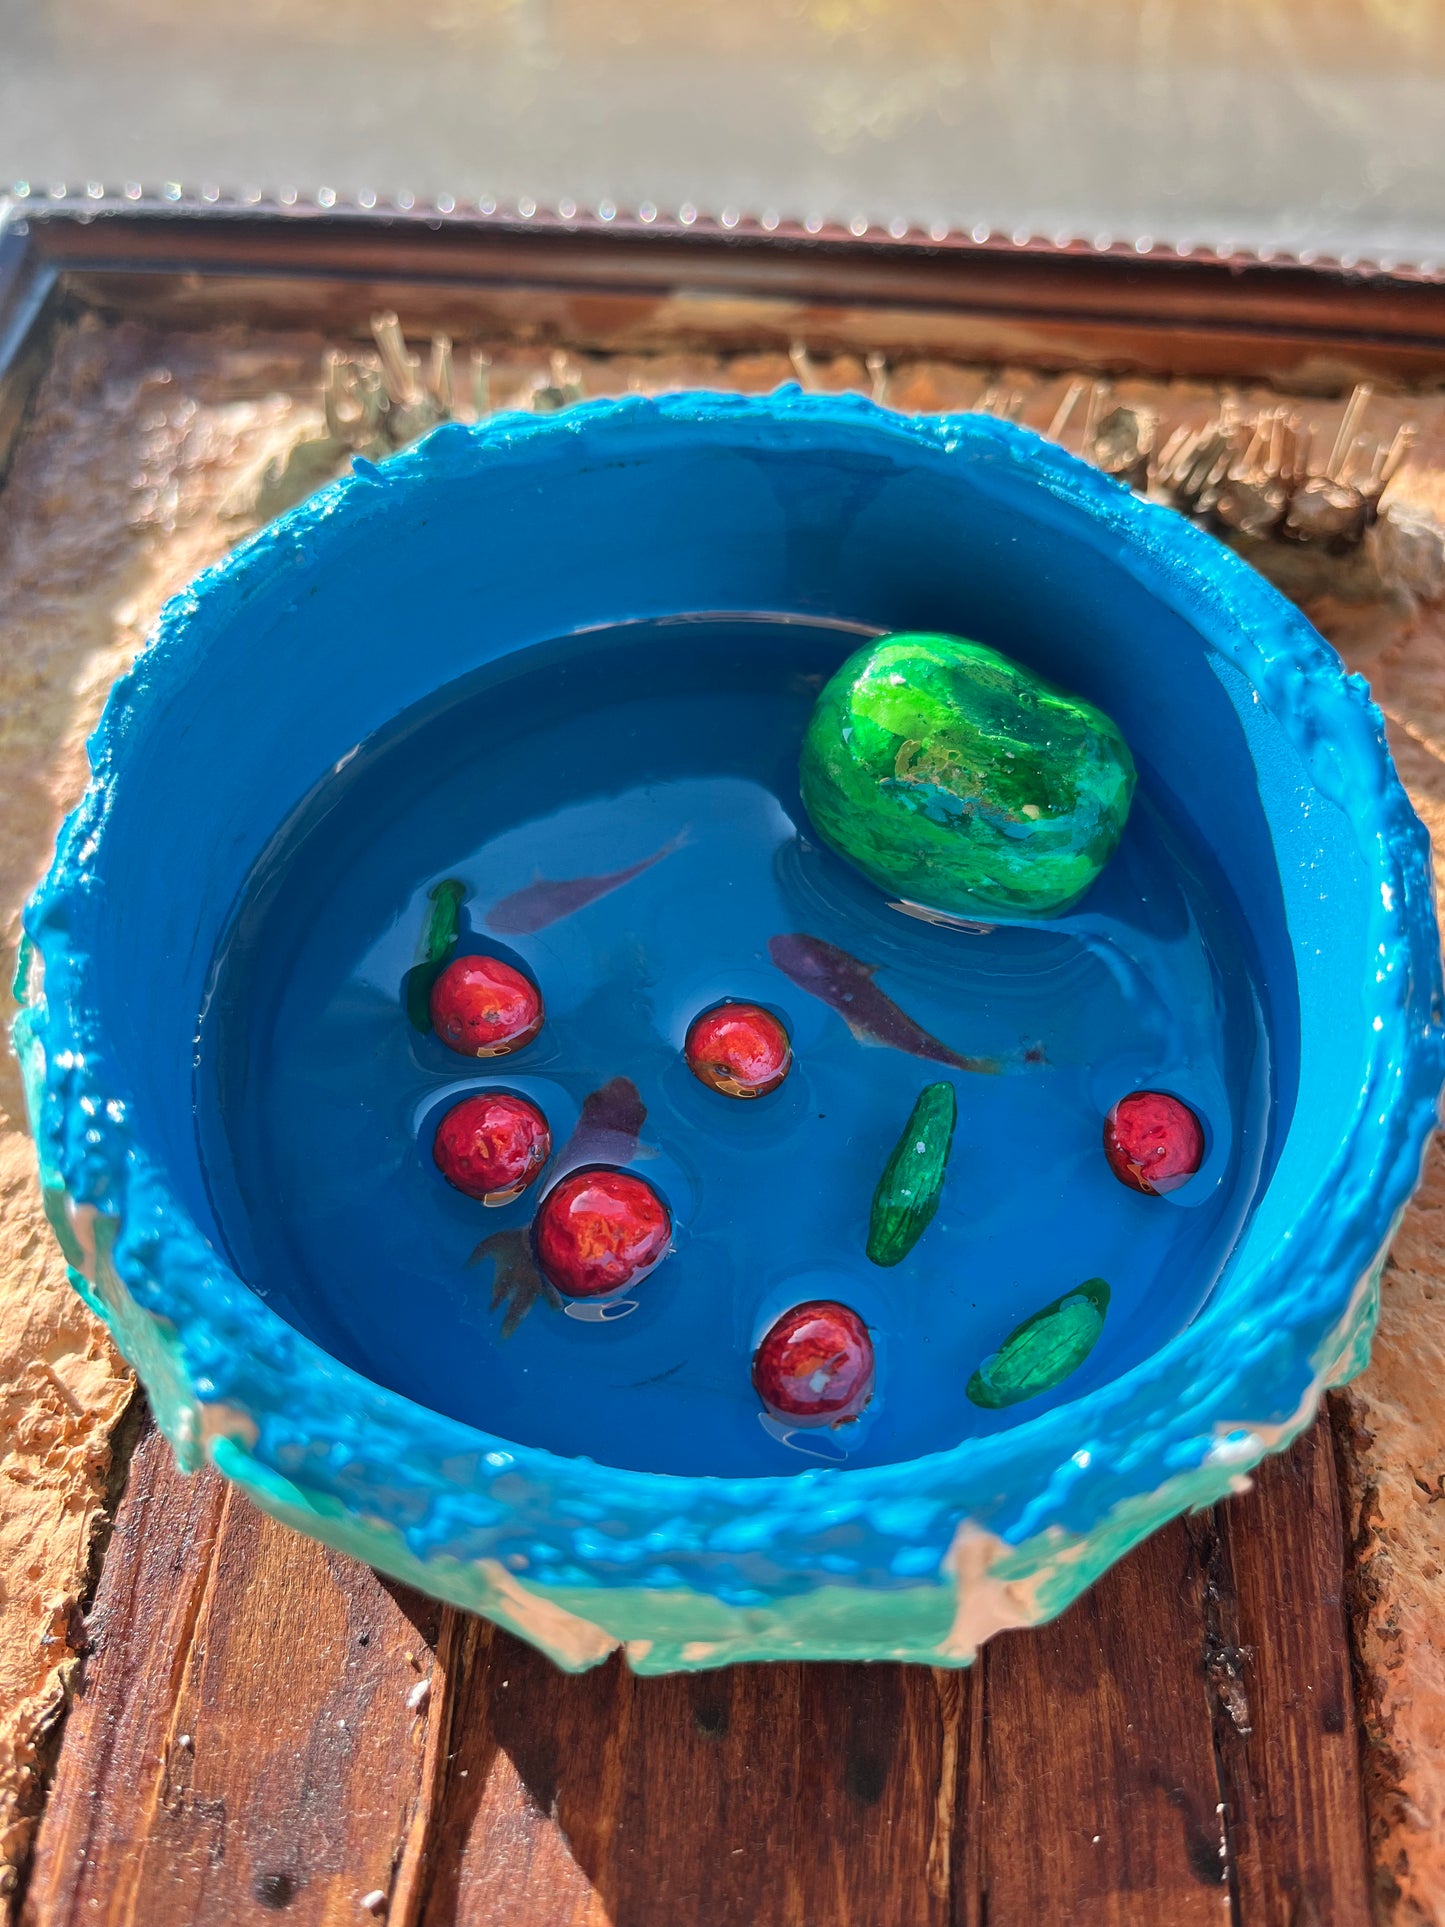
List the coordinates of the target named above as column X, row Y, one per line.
column 1264, row 762
column 597, row 752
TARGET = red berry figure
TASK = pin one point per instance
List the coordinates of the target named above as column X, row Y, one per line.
column 492, row 1146
column 484, row 1008
column 815, row 1365
column 1153, row 1142
column 741, row 1050
column 599, row 1230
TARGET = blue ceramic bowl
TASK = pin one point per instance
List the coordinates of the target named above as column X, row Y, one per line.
column 464, row 558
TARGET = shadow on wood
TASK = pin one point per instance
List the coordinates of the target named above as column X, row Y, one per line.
column 757, row 1794
column 1171, row 1750
column 267, row 1730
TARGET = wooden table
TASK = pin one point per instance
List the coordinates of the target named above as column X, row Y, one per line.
column 266, row 1726
column 219, row 1722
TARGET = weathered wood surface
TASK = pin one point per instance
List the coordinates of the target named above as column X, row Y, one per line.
column 115, row 499
column 1194, row 1711
column 264, row 1727
column 1394, row 1414
column 249, row 1733
column 1287, row 1739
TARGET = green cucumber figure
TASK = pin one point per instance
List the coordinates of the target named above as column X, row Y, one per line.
column 912, row 1182
column 1041, row 1352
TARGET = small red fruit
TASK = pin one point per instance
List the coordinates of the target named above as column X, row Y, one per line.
column 815, row 1364
column 741, row 1050
column 599, row 1230
column 481, row 1007
column 1153, row 1142
column 492, row 1146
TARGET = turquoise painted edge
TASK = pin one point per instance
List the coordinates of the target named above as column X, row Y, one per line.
column 666, row 1632
column 922, row 1579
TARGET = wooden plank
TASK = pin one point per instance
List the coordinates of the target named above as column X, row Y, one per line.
column 626, row 321
column 756, row 1796
column 630, row 287
column 248, row 1737
column 28, row 310
column 264, row 1726
column 495, row 1851
column 759, row 1796
column 1100, row 1789
column 1120, row 286
column 1286, row 1731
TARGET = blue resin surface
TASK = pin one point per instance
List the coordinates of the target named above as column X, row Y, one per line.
column 457, row 561
column 319, row 1100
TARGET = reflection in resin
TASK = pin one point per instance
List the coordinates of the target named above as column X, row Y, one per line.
column 906, row 1201
column 517, row 1281
column 622, row 812
column 438, row 940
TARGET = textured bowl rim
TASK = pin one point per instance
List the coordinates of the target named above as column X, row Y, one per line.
column 223, row 1367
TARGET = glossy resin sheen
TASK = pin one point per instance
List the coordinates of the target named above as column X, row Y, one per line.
column 958, row 780
column 666, row 754
column 481, row 543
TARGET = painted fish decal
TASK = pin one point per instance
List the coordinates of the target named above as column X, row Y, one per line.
column 846, row 985
column 606, row 1132
column 548, row 900
column 438, row 936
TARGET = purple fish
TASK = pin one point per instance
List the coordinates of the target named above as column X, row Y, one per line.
column 845, row 985
column 606, row 1132
column 548, row 900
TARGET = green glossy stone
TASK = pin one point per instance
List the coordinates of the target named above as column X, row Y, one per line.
column 1041, row 1352
column 438, row 935
column 963, row 782
column 912, row 1181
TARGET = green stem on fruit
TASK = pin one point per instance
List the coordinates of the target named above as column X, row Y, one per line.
column 438, row 937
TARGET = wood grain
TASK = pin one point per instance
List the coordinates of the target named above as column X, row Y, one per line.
column 1287, row 1739
column 248, row 1738
column 759, row 1794
column 1100, row 1788
column 626, row 287
column 1184, row 1737
column 265, row 1728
